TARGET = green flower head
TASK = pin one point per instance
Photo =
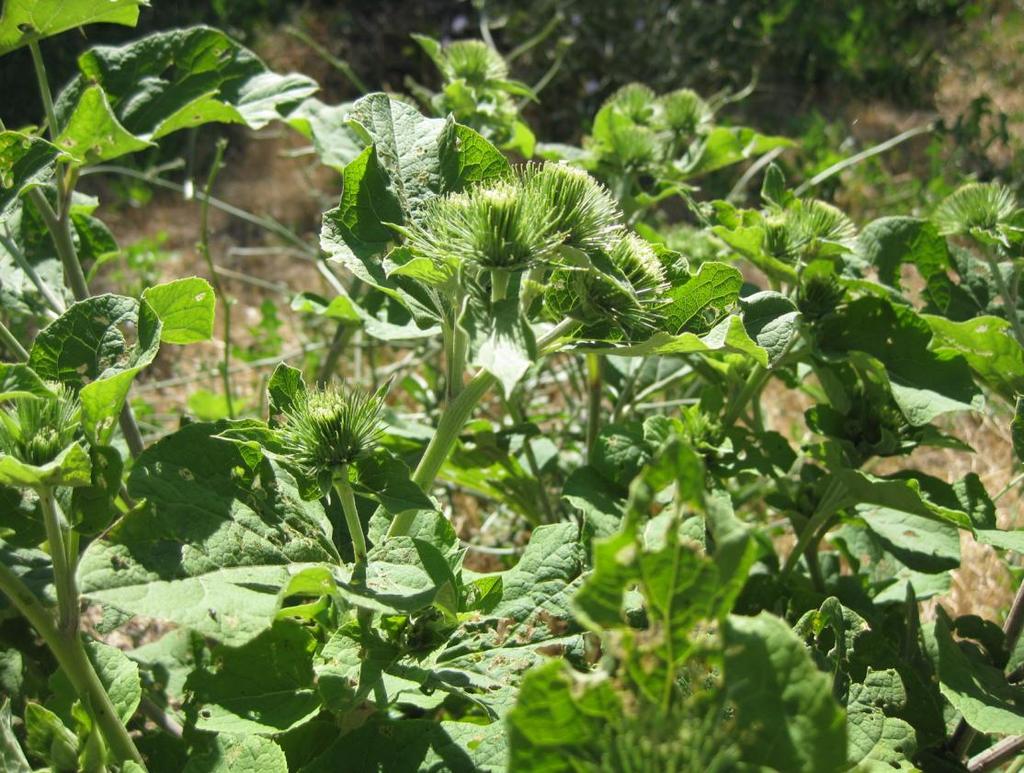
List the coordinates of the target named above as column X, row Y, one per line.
column 500, row 226
column 684, row 113
column 326, row 429
column 625, row 288
column 975, row 205
column 473, row 61
column 36, row 429
column 581, row 208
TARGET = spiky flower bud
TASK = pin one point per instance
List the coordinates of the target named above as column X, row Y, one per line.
column 502, row 226
column 684, row 113
column 326, row 429
column 635, row 101
column 976, row 205
column 806, row 229
column 473, row 61
column 819, row 296
column 36, row 429
column 625, row 289
column 581, row 208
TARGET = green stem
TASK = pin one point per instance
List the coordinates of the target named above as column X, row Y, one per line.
column 67, row 649
column 343, row 490
column 499, row 284
column 12, row 343
column 218, row 289
column 44, row 88
column 594, row 390
column 63, row 571
column 452, row 421
column 755, row 380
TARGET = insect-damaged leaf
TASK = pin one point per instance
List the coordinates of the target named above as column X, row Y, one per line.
column 25, row 162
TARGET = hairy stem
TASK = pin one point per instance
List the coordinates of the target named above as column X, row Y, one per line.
column 67, row 649
column 44, row 88
column 343, row 490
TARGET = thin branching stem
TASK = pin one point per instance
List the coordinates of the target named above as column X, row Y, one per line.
column 204, row 249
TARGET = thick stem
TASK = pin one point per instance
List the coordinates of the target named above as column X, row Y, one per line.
column 67, row 649
column 343, row 490
column 594, row 390
column 63, row 570
column 499, row 284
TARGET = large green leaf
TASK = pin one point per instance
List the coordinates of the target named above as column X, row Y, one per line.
column 98, row 346
column 729, row 335
column 407, row 144
column 781, row 698
column 415, row 744
column 925, row 383
column 714, row 288
column 726, row 145
column 988, row 345
column 215, row 543
column 126, row 97
column 23, row 21
column 265, row 686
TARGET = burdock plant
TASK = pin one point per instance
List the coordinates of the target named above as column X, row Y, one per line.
column 325, row 432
